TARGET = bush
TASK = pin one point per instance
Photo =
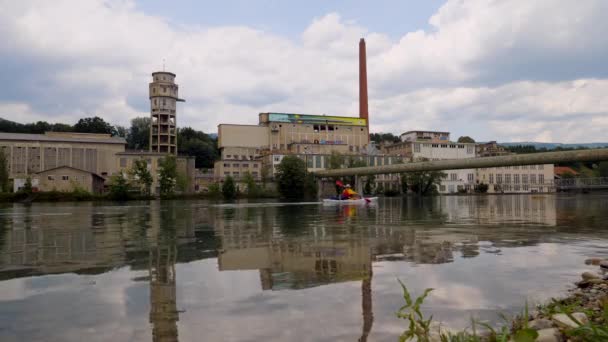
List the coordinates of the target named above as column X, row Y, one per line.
column 119, row 187
column 293, row 179
column 481, row 188
column 228, row 188
column 215, row 190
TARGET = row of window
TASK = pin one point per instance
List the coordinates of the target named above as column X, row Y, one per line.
column 242, row 165
column 470, row 148
column 52, row 177
column 525, row 179
column 238, row 174
column 523, row 167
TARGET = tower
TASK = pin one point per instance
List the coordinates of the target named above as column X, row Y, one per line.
column 363, row 108
column 163, row 109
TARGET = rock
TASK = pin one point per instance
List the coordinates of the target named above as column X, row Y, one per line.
column 593, row 261
column 549, row 335
column 540, row 324
column 563, row 321
column 590, row 275
column 604, row 264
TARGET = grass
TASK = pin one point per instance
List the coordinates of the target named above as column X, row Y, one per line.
column 515, row 329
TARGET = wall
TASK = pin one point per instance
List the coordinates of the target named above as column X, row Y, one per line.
column 65, row 179
column 242, row 136
column 518, row 179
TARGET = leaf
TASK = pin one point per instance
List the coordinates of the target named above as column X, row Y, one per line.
column 406, row 294
column 525, row 335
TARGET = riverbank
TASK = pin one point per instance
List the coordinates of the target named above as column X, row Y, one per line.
column 582, row 315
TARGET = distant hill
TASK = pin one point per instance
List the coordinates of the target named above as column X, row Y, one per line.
column 552, row 146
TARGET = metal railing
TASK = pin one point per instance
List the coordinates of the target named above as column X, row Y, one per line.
column 581, row 183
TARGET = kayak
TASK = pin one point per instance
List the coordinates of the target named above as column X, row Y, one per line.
column 350, row 201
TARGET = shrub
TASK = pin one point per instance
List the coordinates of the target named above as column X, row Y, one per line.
column 228, row 188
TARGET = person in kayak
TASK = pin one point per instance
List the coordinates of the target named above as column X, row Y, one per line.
column 349, row 193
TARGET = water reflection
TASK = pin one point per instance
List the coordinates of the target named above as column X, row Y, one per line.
column 482, row 253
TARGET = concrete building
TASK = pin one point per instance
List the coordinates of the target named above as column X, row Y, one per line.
column 67, row 179
column 163, row 110
column 185, row 167
column 425, row 135
column 491, row 149
column 518, row 179
column 28, row 154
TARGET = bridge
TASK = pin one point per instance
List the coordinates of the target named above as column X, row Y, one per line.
column 581, row 183
column 599, row 154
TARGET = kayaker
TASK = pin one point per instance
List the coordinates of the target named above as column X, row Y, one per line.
column 349, row 193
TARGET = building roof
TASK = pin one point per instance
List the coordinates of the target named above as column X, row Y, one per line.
column 560, row 170
column 70, row 167
column 68, row 137
column 163, row 72
column 425, row 132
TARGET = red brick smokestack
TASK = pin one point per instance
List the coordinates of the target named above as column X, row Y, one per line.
column 363, row 108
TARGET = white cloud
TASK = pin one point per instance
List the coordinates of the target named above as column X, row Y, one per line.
column 501, row 70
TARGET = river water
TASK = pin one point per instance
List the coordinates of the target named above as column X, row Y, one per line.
column 262, row 271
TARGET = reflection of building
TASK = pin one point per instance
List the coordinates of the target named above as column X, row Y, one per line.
column 163, row 298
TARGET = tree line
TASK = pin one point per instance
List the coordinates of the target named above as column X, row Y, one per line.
column 189, row 141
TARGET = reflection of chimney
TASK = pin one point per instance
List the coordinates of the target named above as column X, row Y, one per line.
column 363, row 108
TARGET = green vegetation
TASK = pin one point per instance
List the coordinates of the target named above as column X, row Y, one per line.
column 214, row 190
column 167, row 175
column 94, row 125
column 466, row 139
column 293, row 180
column 422, row 182
column 199, row 145
column 5, row 185
column 119, row 187
column 602, row 169
column 229, row 188
column 384, row 137
column 138, row 136
column 481, row 188
column 516, row 329
column 142, row 176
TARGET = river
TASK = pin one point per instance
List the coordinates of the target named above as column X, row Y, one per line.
column 267, row 271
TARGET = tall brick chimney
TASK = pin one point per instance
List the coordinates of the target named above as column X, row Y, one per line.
column 363, row 108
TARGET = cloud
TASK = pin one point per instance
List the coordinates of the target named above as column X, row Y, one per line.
column 504, row 70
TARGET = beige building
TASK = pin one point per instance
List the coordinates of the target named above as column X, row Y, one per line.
column 28, row 154
column 163, row 110
column 517, row 179
column 185, row 167
column 491, row 149
column 67, row 179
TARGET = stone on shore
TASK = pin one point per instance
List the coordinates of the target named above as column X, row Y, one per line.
column 593, row 261
column 549, row 335
column 563, row 321
column 590, row 275
column 604, row 264
column 540, row 324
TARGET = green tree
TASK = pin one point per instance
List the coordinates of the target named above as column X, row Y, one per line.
column 94, row 125
column 142, row 176
column 199, row 145
column 4, row 177
column 229, row 188
column 253, row 189
column 214, row 190
column 466, row 139
column 481, row 188
column 138, row 137
column 384, row 137
column 422, row 182
column 602, row 169
column 336, row 160
column 291, row 177
column 27, row 187
column 119, row 187
column 167, row 175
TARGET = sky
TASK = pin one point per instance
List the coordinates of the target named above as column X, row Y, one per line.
column 512, row 70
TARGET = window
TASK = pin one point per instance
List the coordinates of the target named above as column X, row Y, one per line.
column 416, row 147
column 533, row 179
column 245, row 165
column 516, row 179
column 491, row 181
column 435, row 145
column 277, row 159
column 452, row 146
column 532, row 167
column 65, row 177
column 507, row 179
column 164, row 102
column 453, row 176
column 460, row 146
column 541, row 179
column 442, row 188
column 228, row 156
column 541, row 167
column 235, row 165
column 524, row 179
column 51, row 177
column 470, row 177
column 123, row 162
column 444, row 145
column 254, row 173
column 255, row 166
column 516, row 167
column 524, row 167
column 499, row 178
column 235, row 173
column 226, row 165
column 317, row 162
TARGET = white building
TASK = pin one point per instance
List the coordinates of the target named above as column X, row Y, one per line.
column 518, row 179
